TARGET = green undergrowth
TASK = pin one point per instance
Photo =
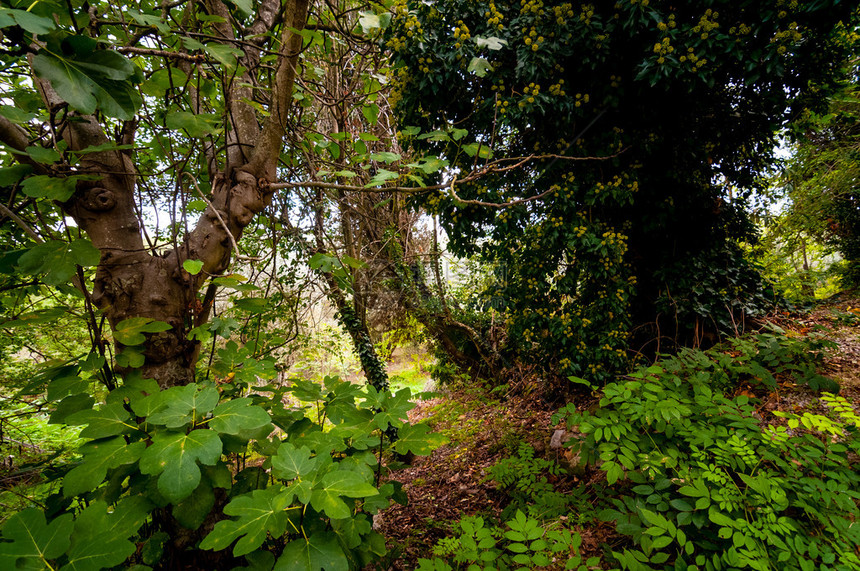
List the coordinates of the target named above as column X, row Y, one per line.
column 698, row 475
column 703, row 479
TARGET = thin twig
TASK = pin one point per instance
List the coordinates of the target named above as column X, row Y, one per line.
column 23, row 225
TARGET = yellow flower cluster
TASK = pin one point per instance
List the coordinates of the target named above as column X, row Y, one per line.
column 580, row 99
column 556, row 88
column 533, row 39
column 413, row 27
column 791, row 35
column 424, row 64
column 396, row 43
column 662, row 48
column 461, row 34
column 586, row 14
column 741, row 30
column 494, row 17
column 533, row 6
column 580, row 231
column 707, row 23
column 562, row 12
column 663, row 26
column 695, row 61
column 555, row 222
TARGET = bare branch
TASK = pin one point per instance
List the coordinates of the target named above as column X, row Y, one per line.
column 20, row 222
column 194, row 58
column 496, row 166
column 268, row 148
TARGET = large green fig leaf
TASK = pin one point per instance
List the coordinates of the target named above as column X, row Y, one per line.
column 185, row 404
column 326, row 497
column 174, row 455
column 99, row 457
column 261, row 512
column 418, row 439
column 108, row 420
column 291, row 462
column 31, row 542
column 237, row 415
column 97, row 79
column 101, row 536
column 320, row 551
column 58, row 259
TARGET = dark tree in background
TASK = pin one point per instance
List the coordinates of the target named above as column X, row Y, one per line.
column 640, row 127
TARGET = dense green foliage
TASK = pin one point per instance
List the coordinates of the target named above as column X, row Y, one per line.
column 148, row 452
column 615, row 132
column 819, row 182
column 521, row 544
column 596, row 158
column 716, row 481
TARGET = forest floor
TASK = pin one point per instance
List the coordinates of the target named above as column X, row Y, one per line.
column 483, row 428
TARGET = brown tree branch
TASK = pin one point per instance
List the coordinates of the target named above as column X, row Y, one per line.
column 268, row 147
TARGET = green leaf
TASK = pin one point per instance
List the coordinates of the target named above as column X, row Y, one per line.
column 99, row 78
column 11, row 175
column 61, row 387
column 48, row 315
column 131, row 331
column 58, row 259
column 31, row 542
column 50, row 187
column 175, row 456
column 259, row 513
column 429, row 165
column 99, row 457
column 482, row 150
column 479, row 66
column 381, row 177
column 104, row 147
column 244, row 6
column 291, row 462
column 70, row 405
column 369, row 21
column 43, row 155
column 237, row 415
column 185, row 404
column 327, row 496
column 192, row 511
column 109, row 420
column 385, row 156
column 252, row 304
column 226, row 55
column 371, row 113
column 492, row 42
column 33, row 23
column 319, row 552
column 418, row 439
column 193, row 267
column 196, row 125
column 101, row 536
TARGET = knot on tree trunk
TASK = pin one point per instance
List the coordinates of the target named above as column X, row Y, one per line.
column 98, row 199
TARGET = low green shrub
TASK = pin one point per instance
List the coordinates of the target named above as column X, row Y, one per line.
column 707, row 484
column 524, row 478
column 159, row 466
column 523, row 543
